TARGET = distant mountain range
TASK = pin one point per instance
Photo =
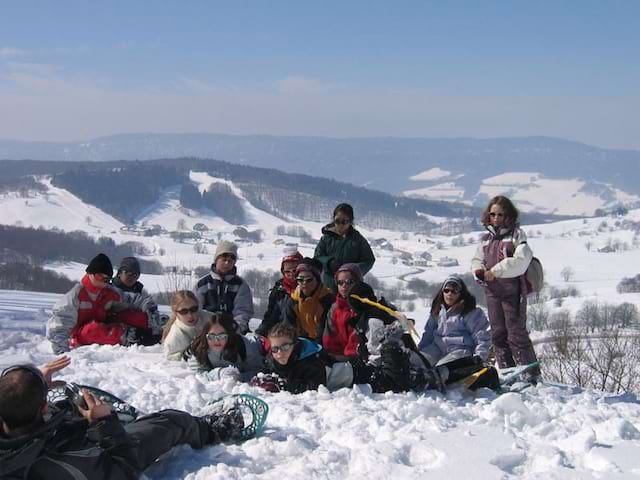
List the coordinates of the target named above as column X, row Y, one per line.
column 605, row 177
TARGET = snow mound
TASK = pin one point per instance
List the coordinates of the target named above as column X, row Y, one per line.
column 550, row 431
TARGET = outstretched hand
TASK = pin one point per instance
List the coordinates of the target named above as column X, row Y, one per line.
column 54, row 366
column 96, row 408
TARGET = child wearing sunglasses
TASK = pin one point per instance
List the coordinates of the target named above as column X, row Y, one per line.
column 341, row 243
column 340, row 339
column 185, row 323
column 456, row 328
column 84, row 315
column 500, row 264
column 220, row 352
column 309, row 303
column 296, row 364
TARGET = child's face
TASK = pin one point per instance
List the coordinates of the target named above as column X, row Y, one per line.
column 225, row 262
column 217, row 337
column 187, row 312
column 99, row 280
column 344, row 281
column 289, row 270
column 308, row 283
column 281, row 348
column 496, row 216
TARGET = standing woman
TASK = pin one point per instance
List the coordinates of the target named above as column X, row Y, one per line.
column 499, row 264
column 340, row 244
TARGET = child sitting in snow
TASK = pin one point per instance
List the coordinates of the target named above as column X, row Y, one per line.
column 297, row 364
column 220, row 352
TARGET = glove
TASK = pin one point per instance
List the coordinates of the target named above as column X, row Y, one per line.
column 478, row 360
column 269, row 382
column 230, row 373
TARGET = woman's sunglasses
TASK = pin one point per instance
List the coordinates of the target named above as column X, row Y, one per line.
column 184, row 311
column 217, row 337
column 337, row 221
column 285, row 347
column 348, row 282
column 450, row 290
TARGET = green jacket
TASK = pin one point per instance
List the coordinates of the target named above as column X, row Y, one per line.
column 353, row 248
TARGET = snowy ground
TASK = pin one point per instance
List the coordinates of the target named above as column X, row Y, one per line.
column 548, row 432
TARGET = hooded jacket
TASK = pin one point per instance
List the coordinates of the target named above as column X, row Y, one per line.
column 333, row 249
column 228, row 293
column 454, row 335
column 69, row 448
column 340, row 336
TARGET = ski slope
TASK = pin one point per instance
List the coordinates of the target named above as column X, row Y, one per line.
column 547, row 432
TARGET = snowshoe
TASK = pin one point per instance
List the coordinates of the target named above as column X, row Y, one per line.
column 252, row 410
column 526, row 373
column 69, row 396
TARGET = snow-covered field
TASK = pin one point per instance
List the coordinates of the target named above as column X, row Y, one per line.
column 547, row 432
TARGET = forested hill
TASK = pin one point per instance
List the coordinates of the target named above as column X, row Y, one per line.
column 124, row 188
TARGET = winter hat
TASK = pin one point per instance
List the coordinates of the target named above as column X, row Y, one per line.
column 291, row 258
column 130, row 264
column 311, row 265
column 225, row 246
column 100, row 264
column 454, row 279
column 353, row 269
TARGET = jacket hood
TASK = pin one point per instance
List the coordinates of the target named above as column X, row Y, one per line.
column 308, row 349
column 21, row 452
column 330, row 229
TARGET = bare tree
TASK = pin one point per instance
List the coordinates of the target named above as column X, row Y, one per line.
column 567, row 273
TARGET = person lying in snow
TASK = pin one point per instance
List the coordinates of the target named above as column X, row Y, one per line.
column 219, row 351
column 296, row 364
column 186, row 322
column 38, row 440
column 89, row 312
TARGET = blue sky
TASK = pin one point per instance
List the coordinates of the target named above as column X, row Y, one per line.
column 76, row 69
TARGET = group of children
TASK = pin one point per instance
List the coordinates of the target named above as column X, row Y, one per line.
column 317, row 328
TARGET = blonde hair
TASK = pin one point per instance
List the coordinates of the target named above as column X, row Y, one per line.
column 176, row 299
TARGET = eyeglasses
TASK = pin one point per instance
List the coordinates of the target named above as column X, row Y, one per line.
column 217, row 337
column 184, row 311
column 285, row 347
column 450, row 290
column 303, row 280
column 494, row 214
column 101, row 277
column 348, row 282
column 344, row 221
column 130, row 273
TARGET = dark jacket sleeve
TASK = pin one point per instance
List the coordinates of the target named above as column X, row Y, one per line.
column 367, row 259
column 120, row 455
column 322, row 254
column 308, row 374
column 274, row 312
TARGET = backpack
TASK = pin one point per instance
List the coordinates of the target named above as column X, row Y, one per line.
column 534, row 276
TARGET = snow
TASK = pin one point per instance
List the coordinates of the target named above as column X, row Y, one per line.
column 431, row 174
column 551, row 431
column 531, row 192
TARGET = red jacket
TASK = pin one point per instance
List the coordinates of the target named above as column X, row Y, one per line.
column 340, row 336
